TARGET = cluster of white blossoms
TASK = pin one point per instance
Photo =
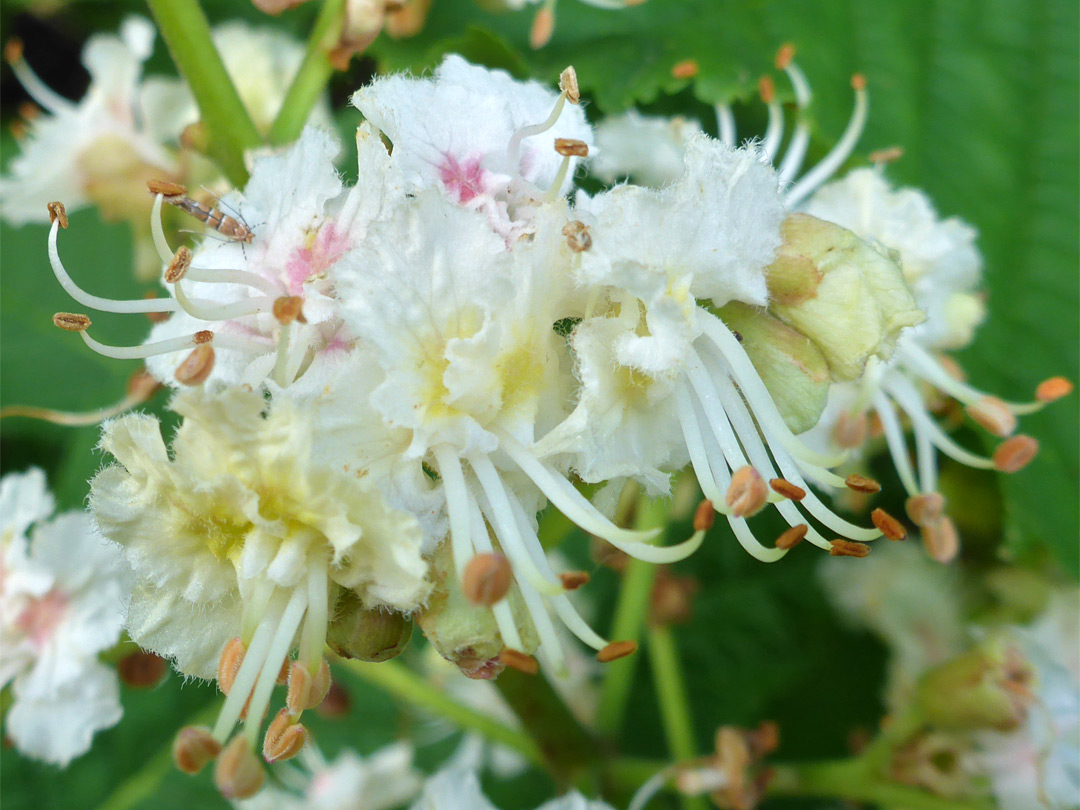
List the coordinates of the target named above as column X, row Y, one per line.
column 383, row 385
column 63, row 592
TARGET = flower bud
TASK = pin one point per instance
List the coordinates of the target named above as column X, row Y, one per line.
column 793, row 369
column 463, row 633
column 367, row 635
column 841, row 292
column 982, row 688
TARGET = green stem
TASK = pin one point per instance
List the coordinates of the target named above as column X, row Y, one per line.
column 314, row 73
column 852, row 779
column 187, row 33
column 674, row 703
column 144, row 783
column 630, row 612
column 413, row 690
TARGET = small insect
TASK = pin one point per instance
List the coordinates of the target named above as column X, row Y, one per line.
column 175, row 194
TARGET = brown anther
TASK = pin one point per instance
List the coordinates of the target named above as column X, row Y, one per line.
column 994, row 415
column 925, row 508
column 860, row 483
column 785, row 55
column 196, row 367
column 543, row 26
column 704, row 516
column 848, row 548
column 888, row 525
column 748, row 493
column 337, row 703
column 571, row 147
column 29, row 111
column 887, row 155
column 13, row 50
column 203, row 336
column 71, row 321
column 229, row 664
column 568, row 84
column 195, row 137
column 57, row 212
column 792, row 537
column 572, row 580
column 686, row 69
column 320, row 686
column 193, row 747
column 941, row 540
column 1015, row 453
column 858, row 82
column 141, row 669
column 166, row 188
column 283, row 673
column 178, row 265
column 1054, row 388
column 577, row 236
column 781, row 486
column 515, row 659
column 155, row 317
column 306, row 691
column 767, row 89
column 238, row 773
column 288, row 309
column 487, row 579
column 284, row 738
column 19, row 129
column 142, row 385
column 851, row 430
column 616, row 650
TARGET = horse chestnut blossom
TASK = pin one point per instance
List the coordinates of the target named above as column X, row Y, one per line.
column 63, row 591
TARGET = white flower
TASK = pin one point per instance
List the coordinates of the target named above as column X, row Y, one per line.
column 62, row 596
column 382, row 780
column 464, row 331
column 661, row 376
column 243, row 541
column 265, row 309
column 487, row 141
column 459, row 789
column 646, row 148
column 84, row 152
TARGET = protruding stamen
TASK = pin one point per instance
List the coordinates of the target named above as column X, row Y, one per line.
column 31, row 82
column 577, row 236
column 616, row 650
column 925, row 508
column 848, row 548
column 860, row 483
column 889, row 154
column 784, row 56
column 572, row 580
column 306, row 690
column 782, row 486
column 238, row 774
column 140, row 388
column 994, row 415
column 196, row 367
column 288, row 308
column 166, row 188
column 179, row 265
column 71, row 321
column 774, row 129
column 747, row 494
column 686, row 69
column 193, row 748
column 941, row 540
column 1014, row 454
column 568, row 84
column 57, row 212
column 284, row 738
column 543, row 26
column 487, row 579
column 519, row 661
column 571, row 147
column 888, row 525
column 1053, row 389
column 839, row 153
column 792, row 537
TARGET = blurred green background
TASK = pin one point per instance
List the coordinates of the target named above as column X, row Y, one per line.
column 982, row 97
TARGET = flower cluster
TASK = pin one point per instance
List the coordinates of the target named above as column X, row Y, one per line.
column 383, row 385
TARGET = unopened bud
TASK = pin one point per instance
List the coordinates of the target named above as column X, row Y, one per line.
column 1014, row 454
column 994, row 415
column 141, row 670
column 193, row 748
column 616, row 650
column 196, row 367
column 748, row 493
column 941, row 540
column 367, row 634
column 888, row 525
column 238, row 773
column 487, row 579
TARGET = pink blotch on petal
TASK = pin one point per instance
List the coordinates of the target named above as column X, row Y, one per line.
column 306, row 263
column 40, row 618
column 464, row 180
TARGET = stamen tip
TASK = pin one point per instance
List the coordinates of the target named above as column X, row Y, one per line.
column 848, row 548
column 686, row 69
column 166, row 188
column 616, row 650
column 767, row 89
column 543, row 26
column 522, row 662
column 792, row 537
column 888, row 525
column 858, row 83
column 782, row 486
column 179, row 265
column 487, row 579
column 57, row 212
column 203, row 336
column 887, row 155
column 196, row 367
column 193, row 748
column 705, row 516
column 860, row 483
column 288, row 309
column 785, row 55
column 572, row 580
column 1014, row 454
column 571, row 147
column 71, row 321
column 13, row 50
column 578, row 237
column 568, row 84
column 1053, row 389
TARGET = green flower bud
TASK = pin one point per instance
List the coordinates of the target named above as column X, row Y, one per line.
column 847, row 297
column 365, row 634
column 791, row 366
column 986, row 687
column 466, row 634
